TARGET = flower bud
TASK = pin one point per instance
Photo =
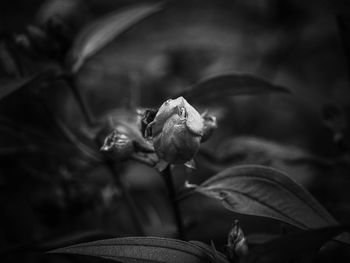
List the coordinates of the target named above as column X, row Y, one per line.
column 120, row 143
column 176, row 131
column 237, row 247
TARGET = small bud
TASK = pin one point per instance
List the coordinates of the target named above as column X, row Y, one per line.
column 237, row 247
column 176, row 131
column 147, row 116
column 120, row 143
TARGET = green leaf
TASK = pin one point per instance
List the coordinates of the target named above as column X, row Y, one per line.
column 220, row 87
column 262, row 191
column 141, row 249
column 98, row 34
column 292, row 246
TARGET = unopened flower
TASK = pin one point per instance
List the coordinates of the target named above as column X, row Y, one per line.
column 177, row 131
column 121, row 144
column 122, row 139
column 237, row 247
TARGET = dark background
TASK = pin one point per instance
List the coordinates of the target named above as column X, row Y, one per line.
column 53, row 193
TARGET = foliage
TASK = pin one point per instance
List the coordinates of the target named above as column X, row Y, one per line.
column 82, row 177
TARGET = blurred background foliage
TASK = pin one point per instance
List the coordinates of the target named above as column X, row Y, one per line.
column 56, row 190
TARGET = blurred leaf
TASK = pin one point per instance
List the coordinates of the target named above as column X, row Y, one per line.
column 9, row 86
column 98, row 34
column 8, row 63
column 262, row 191
column 255, row 150
column 79, row 144
column 141, row 249
column 292, row 246
column 263, row 151
column 222, row 86
column 220, row 258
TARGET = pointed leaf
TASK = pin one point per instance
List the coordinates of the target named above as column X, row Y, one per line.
column 141, row 249
column 262, row 191
column 98, row 34
column 292, row 246
column 222, row 86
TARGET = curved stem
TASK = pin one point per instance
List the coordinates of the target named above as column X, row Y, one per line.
column 167, row 176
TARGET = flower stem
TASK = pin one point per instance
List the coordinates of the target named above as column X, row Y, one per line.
column 167, row 176
column 90, row 122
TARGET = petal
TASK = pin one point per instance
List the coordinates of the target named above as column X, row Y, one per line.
column 194, row 119
column 176, row 144
column 168, row 108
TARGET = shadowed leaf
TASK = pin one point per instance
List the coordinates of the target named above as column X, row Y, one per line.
column 141, row 249
column 222, row 86
column 98, row 34
column 292, row 246
column 262, row 191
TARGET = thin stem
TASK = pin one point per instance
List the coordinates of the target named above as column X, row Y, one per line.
column 90, row 121
column 167, row 176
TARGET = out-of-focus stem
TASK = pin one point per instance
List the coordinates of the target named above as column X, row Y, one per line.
column 167, row 176
column 90, row 121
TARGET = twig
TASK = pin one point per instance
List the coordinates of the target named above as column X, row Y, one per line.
column 167, row 176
